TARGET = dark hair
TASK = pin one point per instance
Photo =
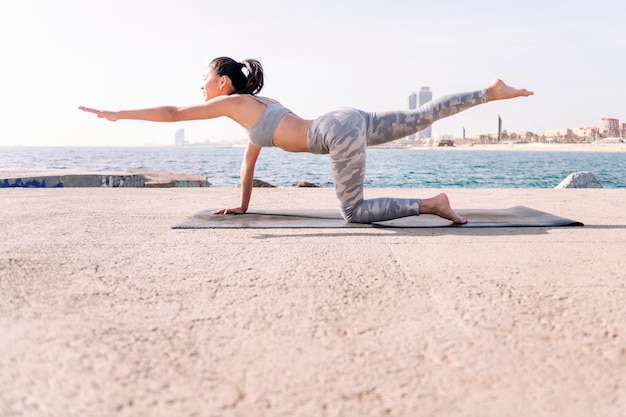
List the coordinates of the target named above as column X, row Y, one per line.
column 251, row 83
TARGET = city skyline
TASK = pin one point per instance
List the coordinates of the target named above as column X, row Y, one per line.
column 588, row 132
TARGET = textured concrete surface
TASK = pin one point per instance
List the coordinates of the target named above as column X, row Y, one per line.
column 106, row 311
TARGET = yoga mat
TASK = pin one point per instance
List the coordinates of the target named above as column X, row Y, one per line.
column 518, row 216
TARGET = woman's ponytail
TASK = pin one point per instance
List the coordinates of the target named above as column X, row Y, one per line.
column 246, row 76
column 254, row 78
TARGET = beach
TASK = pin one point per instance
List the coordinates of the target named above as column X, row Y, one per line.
column 534, row 147
column 106, row 310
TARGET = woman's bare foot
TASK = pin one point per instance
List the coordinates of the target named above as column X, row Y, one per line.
column 498, row 90
column 440, row 206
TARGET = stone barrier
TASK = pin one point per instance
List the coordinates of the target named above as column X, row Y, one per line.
column 77, row 180
column 161, row 179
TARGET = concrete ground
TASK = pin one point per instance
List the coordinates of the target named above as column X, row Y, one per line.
column 106, row 311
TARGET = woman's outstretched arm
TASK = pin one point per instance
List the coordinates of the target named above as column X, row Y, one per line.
column 219, row 106
column 153, row 114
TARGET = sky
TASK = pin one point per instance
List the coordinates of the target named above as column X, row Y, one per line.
column 317, row 55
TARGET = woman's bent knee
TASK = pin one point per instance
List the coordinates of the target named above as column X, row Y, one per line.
column 351, row 214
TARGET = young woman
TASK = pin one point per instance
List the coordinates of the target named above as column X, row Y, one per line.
column 231, row 88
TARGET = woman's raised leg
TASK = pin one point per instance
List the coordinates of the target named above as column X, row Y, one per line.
column 388, row 126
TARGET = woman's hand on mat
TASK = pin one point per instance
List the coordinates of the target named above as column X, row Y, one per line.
column 230, row 210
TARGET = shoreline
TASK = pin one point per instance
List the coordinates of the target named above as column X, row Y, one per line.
column 530, row 147
column 549, row 147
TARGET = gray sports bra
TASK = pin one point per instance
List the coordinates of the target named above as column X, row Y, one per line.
column 262, row 131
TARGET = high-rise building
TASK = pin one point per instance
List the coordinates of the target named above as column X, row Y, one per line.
column 412, row 106
column 424, row 97
column 179, row 137
column 609, row 127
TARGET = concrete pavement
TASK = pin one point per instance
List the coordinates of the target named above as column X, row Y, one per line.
column 106, row 311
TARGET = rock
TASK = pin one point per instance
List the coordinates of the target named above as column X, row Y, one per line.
column 582, row 179
column 307, row 184
column 260, row 184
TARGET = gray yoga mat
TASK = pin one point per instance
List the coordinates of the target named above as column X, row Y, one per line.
column 518, row 216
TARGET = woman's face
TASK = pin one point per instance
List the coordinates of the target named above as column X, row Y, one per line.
column 210, row 85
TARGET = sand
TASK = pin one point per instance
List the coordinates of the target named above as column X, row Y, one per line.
column 106, row 311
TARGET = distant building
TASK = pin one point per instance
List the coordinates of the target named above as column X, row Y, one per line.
column 557, row 133
column 586, row 132
column 424, row 97
column 624, row 130
column 413, row 106
column 609, row 127
column 413, row 101
column 179, row 138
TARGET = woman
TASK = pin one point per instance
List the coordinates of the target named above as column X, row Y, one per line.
column 231, row 88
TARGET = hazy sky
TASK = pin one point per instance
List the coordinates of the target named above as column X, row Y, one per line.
column 317, row 55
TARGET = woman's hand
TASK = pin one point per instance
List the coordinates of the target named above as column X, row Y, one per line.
column 230, row 210
column 109, row 115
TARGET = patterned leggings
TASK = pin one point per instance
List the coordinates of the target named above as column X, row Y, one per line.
column 346, row 132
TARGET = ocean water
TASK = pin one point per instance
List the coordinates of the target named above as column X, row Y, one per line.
column 394, row 168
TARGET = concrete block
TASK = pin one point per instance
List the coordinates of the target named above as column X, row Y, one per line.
column 161, row 179
column 77, row 180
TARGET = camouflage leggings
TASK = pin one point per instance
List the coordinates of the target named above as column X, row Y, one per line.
column 346, row 132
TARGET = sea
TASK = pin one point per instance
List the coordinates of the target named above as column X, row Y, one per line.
column 386, row 168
